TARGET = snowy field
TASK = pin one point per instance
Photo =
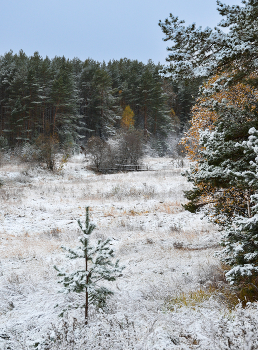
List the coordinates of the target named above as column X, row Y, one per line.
column 163, row 300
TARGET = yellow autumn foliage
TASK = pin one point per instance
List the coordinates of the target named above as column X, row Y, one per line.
column 174, row 120
column 239, row 95
column 127, row 120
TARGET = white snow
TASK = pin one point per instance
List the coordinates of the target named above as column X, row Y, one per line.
column 167, row 252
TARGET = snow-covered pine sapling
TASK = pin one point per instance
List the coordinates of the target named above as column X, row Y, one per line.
column 98, row 266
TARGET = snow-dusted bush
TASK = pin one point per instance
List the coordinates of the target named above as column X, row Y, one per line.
column 105, row 333
column 126, row 148
column 98, row 150
column 28, row 153
column 184, row 329
column 234, row 331
column 130, row 148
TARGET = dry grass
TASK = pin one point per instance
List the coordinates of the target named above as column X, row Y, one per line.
column 191, row 299
column 121, row 192
column 194, row 299
column 26, row 247
column 121, row 213
column 169, row 207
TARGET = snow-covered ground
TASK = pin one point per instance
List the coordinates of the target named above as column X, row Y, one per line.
column 161, row 301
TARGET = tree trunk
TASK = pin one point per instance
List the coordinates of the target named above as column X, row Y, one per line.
column 86, row 293
column 54, row 121
column 155, row 125
column 145, row 122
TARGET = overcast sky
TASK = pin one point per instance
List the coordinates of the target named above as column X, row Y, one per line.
column 99, row 29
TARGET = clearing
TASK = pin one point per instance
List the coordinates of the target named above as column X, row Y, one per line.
column 162, row 301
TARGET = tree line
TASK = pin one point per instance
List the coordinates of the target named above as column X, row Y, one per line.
column 71, row 100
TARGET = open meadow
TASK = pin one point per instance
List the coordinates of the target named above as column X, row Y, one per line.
column 168, row 296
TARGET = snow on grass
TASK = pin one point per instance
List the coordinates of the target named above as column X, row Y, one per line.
column 160, row 302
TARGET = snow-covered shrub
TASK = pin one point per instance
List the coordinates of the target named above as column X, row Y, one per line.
column 47, row 150
column 233, row 331
column 105, row 333
column 126, row 148
column 28, row 153
column 130, row 147
column 98, row 149
column 108, row 332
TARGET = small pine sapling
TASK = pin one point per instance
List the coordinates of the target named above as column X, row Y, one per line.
column 98, row 266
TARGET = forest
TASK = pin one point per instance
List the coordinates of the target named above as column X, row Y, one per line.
column 72, row 100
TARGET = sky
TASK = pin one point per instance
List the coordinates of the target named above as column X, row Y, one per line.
column 97, row 29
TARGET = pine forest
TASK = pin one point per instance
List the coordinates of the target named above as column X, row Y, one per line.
column 72, row 100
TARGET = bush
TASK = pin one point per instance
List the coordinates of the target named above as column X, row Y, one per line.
column 48, row 147
column 125, row 149
column 130, row 147
column 45, row 151
column 28, row 153
column 98, row 149
column 106, row 333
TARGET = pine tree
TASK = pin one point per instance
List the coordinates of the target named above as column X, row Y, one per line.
column 98, row 103
column 203, row 52
column 63, row 99
column 229, row 169
column 224, row 175
column 241, row 239
column 98, row 267
column 14, row 94
column 205, row 114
